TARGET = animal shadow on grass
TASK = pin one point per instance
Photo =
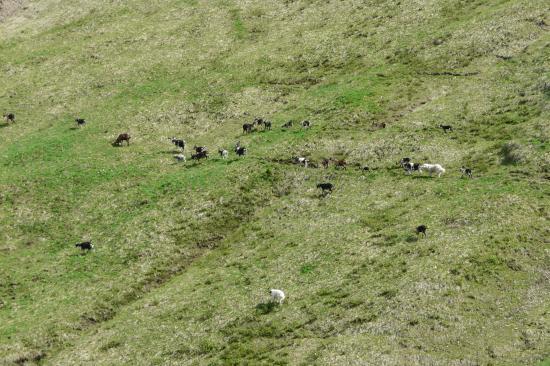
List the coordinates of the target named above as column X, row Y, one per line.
column 4, row 125
column 264, row 308
column 411, row 239
column 422, row 177
column 74, row 128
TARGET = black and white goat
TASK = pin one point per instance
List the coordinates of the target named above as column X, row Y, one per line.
column 200, row 149
column 86, row 245
column 80, row 122
column 466, row 172
column 178, row 142
column 446, row 128
column 223, row 153
column 241, row 151
column 9, row 117
column 287, row 125
column 306, row 124
column 180, row 157
column 404, row 161
column 411, row 167
column 301, row 161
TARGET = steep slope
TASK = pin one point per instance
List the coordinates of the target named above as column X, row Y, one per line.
column 185, row 254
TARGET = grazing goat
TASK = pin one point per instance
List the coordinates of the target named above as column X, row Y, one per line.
column 248, row 127
column 340, row 164
column 421, row 230
column 223, row 153
column 200, row 149
column 180, row 157
column 287, row 125
column 277, row 296
column 267, row 125
column 466, row 172
column 301, row 161
column 179, row 143
column 258, row 121
column 200, row 155
column 121, row 138
column 306, row 124
column 325, row 162
column 87, row 245
column 241, row 151
column 404, row 161
column 80, row 122
column 411, row 167
column 432, row 168
column 446, row 128
column 9, row 117
column 325, row 187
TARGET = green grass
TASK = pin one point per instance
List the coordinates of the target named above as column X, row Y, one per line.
column 185, row 253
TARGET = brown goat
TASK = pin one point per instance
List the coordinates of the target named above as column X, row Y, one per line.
column 121, row 138
column 340, row 163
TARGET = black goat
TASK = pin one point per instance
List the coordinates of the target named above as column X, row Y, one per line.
column 287, row 125
column 267, row 125
column 446, row 128
column 87, row 245
column 248, row 127
column 9, row 117
column 258, row 121
column 325, row 187
column 421, row 230
column 200, row 155
column 179, row 143
column 80, row 122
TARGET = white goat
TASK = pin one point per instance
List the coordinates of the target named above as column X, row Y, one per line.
column 179, row 157
column 277, row 296
column 223, row 153
column 432, row 168
column 302, row 161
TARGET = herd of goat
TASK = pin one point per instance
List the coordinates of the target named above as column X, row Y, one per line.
column 201, row 152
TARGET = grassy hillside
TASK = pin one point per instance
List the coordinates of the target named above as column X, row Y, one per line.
column 185, row 253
